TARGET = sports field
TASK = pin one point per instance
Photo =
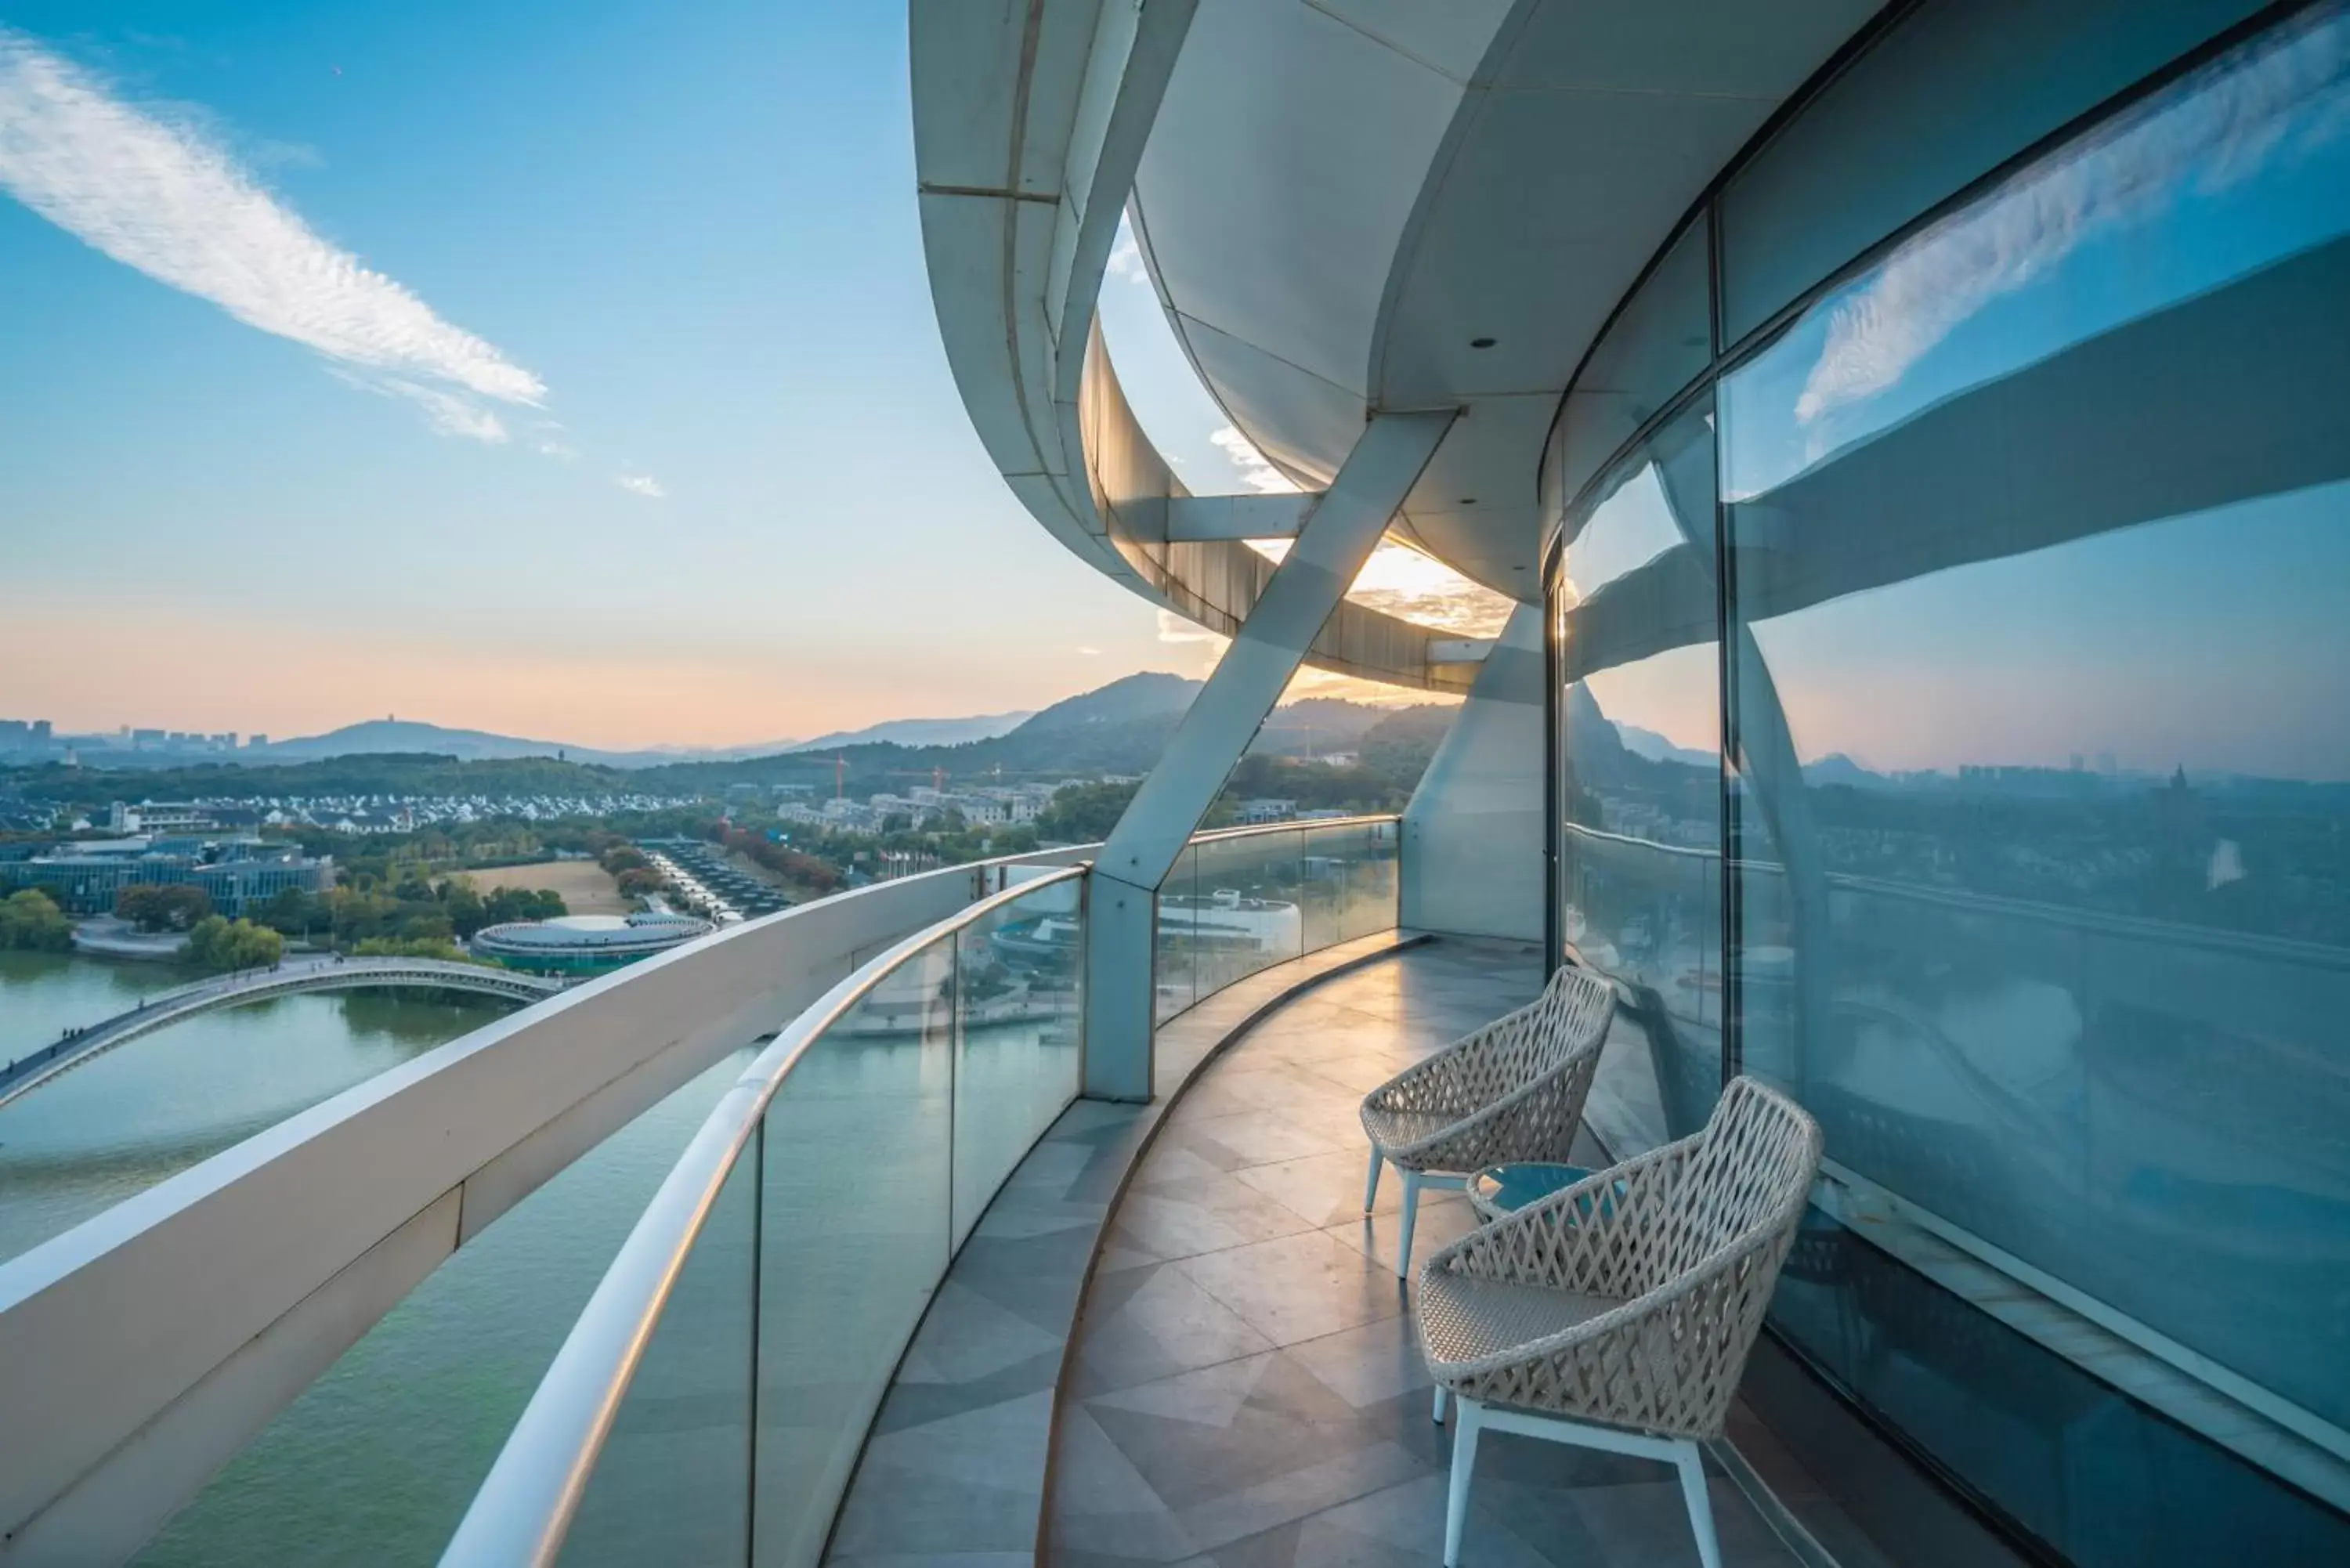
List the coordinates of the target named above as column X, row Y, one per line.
column 587, row 887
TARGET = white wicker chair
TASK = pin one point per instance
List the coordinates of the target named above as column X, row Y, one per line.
column 1512, row 1091
column 1617, row 1314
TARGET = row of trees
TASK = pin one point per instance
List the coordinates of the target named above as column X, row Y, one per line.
column 414, row 909
column 811, row 875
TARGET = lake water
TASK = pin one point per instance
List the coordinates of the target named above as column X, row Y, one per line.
column 375, row 1463
column 145, row 1111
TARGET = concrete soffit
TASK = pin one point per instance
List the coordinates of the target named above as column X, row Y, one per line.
column 1017, row 241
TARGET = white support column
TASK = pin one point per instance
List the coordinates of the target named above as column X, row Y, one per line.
column 1335, row 540
column 1473, row 833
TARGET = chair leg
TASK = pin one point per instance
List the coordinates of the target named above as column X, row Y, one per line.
column 1691, row 1462
column 1464, row 1464
column 1410, row 1215
column 1371, row 1187
column 1437, row 1416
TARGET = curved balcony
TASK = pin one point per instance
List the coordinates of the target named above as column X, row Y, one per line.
column 156, row 1339
column 712, row 1402
column 918, row 1036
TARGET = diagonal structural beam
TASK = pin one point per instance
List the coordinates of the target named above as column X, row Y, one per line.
column 1335, row 540
column 1197, row 518
column 1332, row 545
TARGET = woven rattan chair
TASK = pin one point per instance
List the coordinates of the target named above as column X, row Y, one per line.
column 1512, row 1091
column 1616, row 1313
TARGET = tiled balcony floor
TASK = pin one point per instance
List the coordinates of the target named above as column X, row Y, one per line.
column 1248, row 1390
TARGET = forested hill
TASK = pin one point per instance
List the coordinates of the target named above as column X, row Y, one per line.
column 380, row 772
column 1121, row 728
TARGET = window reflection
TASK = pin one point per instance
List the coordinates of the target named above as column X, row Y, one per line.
column 2193, row 190
column 2039, row 692
column 1639, row 771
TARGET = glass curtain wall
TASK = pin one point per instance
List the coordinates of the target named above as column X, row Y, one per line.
column 2031, row 641
column 1640, row 775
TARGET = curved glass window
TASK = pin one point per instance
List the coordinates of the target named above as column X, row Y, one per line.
column 1661, row 342
column 2040, row 708
column 1956, row 89
column 2043, row 542
column 1640, row 785
column 2029, row 629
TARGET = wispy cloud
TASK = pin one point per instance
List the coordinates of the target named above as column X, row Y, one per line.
column 641, row 485
column 1173, row 627
column 2291, row 96
column 1255, row 473
column 157, row 191
column 447, row 412
column 1089, row 653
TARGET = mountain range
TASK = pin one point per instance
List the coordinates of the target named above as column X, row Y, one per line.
column 1119, row 726
column 377, row 736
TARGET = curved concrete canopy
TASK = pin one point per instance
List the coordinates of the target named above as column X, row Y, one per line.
column 1029, row 117
column 1340, row 196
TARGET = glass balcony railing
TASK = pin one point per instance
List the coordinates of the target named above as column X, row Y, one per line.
column 709, row 1402
column 1246, row 899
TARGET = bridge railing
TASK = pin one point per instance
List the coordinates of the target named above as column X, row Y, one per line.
column 24, row 1074
column 157, row 1338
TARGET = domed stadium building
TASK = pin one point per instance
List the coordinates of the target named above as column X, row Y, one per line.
column 585, row 944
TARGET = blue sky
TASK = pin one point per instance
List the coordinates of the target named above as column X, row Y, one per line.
column 616, row 248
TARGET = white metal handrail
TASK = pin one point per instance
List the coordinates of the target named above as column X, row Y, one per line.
column 1253, row 829
column 525, row 1504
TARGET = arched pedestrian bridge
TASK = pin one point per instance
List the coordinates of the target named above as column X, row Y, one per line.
column 32, row 1070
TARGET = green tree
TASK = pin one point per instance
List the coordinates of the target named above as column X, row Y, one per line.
column 162, row 907
column 221, row 945
column 1080, row 814
column 522, row 904
column 428, row 927
column 466, row 909
column 30, row 921
column 639, row 880
column 292, row 912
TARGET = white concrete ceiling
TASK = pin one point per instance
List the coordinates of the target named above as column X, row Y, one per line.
column 1340, row 195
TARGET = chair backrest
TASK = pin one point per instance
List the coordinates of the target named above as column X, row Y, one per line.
column 1752, row 1168
column 1572, row 1014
